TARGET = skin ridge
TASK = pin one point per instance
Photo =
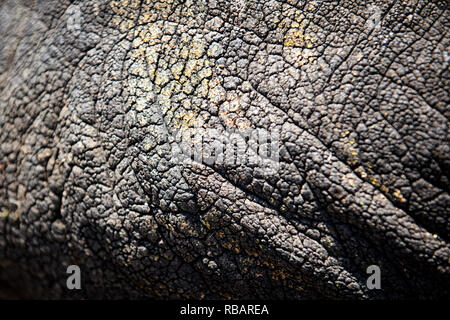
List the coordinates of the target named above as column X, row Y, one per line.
column 92, row 92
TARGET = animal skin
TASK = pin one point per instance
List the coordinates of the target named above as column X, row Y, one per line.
column 93, row 93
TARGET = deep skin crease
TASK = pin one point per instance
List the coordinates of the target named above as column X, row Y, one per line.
column 359, row 91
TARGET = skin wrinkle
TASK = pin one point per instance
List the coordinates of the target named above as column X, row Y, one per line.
column 88, row 178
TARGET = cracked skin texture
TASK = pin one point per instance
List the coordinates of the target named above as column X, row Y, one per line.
column 86, row 179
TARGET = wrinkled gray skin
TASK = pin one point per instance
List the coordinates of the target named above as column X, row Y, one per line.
column 360, row 94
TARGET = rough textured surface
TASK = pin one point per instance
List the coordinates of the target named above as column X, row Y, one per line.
column 85, row 176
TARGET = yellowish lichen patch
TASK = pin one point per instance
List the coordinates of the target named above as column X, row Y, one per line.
column 375, row 182
column 398, row 196
column 186, row 120
column 297, row 36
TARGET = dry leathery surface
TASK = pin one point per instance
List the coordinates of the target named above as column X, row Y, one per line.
column 91, row 90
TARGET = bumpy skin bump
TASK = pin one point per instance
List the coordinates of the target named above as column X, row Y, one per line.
column 360, row 96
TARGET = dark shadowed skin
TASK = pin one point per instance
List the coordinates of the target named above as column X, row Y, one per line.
column 359, row 91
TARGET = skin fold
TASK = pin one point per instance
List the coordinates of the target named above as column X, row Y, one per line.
column 92, row 93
